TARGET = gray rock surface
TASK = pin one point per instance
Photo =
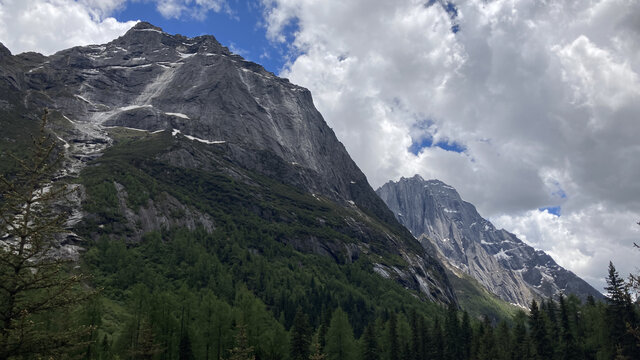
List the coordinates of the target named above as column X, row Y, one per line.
column 150, row 80
column 196, row 89
column 506, row 266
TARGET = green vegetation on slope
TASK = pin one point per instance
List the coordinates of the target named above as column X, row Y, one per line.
column 475, row 299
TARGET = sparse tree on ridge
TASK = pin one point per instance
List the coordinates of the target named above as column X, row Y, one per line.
column 34, row 284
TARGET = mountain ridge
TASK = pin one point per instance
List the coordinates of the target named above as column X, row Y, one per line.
column 200, row 107
column 436, row 214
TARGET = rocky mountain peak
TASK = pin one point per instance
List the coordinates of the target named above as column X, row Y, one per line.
column 435, row 213
column 206, row 100
column 4, row 51
column 145, row 25
column 150, row 41
column 438, row 189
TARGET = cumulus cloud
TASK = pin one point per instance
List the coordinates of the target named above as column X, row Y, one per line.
column 53, row 25
column 47, row 26
column 197, row 9
column 543, row 97
column 579, row 245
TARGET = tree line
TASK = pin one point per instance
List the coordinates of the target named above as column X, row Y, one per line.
column 239, row 293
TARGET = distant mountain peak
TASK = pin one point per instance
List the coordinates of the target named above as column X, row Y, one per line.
column 142, row 25
column 4, row 51
column 435, row 213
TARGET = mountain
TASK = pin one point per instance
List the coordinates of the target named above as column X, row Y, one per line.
column 435, row 214
column 164, row 132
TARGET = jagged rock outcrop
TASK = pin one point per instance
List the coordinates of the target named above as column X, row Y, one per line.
column 195, row 90
column 150, row 80
column 506, row 266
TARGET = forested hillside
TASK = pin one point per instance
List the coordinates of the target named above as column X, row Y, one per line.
column 184, row 203
column 240, row 290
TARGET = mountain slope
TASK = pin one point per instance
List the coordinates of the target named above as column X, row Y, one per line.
column 150, row 120
column 506, row 266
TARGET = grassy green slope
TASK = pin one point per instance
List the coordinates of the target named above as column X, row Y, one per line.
column 476, row 300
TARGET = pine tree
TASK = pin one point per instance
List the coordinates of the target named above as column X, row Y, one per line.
column 340, row 342
column 568, row 349
column 33, row 281
column 300, row 336
column 325, row 318
column 466, row 335
column 486, row 341
column 539, row 336
column 550, row 312
column 369, row 343
column 144, row 344
column 436, row 348
column 185, row 352
column 520, row 348
column 452, row 334
column 503, row 341
column 241, row 349
column 634, row 284
column 417, row 333
column 392, row 341
column 620, row 315
column 105, row 348
column 317, row 352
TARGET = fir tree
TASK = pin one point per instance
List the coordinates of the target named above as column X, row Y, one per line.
column 369, row 344
column 417, row 333
column 144, row 345
column 567, row 349
column 185, row 352
column 436, row 348
column 325, row 318
column 503, row 341
column 620, row 315
column 300, row 336
column 486, row 341
column 340, row 342
column 452, row 334
column 34, row 282
column 520, row 348
column 466, row 335
column 241, row 350
column 392, row 341
column 317, row 352
column 539, row 336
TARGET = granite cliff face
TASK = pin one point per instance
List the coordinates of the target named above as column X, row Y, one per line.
column 506, row 266
column 219, row 113
column 150, row 80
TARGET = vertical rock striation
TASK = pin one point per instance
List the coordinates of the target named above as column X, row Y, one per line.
column 434, row 213
column 195, row 89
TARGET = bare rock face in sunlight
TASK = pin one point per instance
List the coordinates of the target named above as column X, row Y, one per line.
column 220, row 111
column 435, row 214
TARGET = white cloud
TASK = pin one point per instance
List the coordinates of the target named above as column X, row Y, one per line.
column 545, row 96
column 53, row 25
column 103, row 8
column 583, row 241
column 47, row 26
column 197, row 9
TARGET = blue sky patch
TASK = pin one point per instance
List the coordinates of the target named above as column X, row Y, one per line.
column 427, row 142
column 451, row 9
column 417, row 146
column 241, row 30
column 559, row 193
column 451, row 146
column 555, row 210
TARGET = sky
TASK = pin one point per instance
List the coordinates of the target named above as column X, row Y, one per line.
column 531, row 109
